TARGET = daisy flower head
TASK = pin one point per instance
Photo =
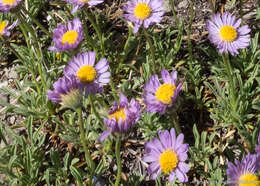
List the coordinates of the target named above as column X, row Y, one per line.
column 67, row 37
column 6, row 5
column 244, row 173
column 121, row 117
column 227, row 34
column 143, row 12
column 67, row 92
column 168, row 155
column 80, row 3
column 90, row 76
column 5, row 29
column 157, row 96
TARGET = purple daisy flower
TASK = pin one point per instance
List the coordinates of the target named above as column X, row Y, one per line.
column 80, row 3
column 91, row 77
column 6, row 5
column 225, row 32
column 257, row 148
column 5, row 29
column 121, row 116
column 167, row 155
column 67, row 37
column 244, row 172
column 157, row 96
column 143, row 12
column 67, row 92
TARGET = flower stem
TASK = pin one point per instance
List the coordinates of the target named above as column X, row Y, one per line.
column 125, row 48
column 37, row 22
column 91, row 101
column 173, row 12
column 88, row 158
column 118, row 160
column 189, row 33
column 225, row 58
column 98, row 31
column 35, row 44
column 151, row 50
column 176, row 123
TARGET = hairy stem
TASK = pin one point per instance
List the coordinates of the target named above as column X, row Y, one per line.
column 189, row 33
column 88, row 158
column 98, row 31
column 37, row 22
column 173, row 12
column 125, row 48
column 231, row 82
column 151, row 49
column 176, row 123
column 118, row 160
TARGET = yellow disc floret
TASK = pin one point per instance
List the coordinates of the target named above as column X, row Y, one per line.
column 69, row 37
column 168, row 161
column 249, row 179
column 142, row 11
column 3, row 24
column 120, row 113
column 8, row 2
column 165, row 92
column 86, row 74
column 228, row 33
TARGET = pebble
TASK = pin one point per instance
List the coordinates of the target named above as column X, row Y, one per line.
column 183, row 4
column 12, row 120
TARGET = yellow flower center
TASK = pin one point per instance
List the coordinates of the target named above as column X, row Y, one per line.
column 9, row 2
column 168, row 161
column 3, row 24
column 249, row 179
column 142, row 11
column 120, row 113
column 228, row 33
column 69, row 37
column 165, row 92
column 86, row 74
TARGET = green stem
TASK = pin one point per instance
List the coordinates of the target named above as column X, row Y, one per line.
column 189, row 32
column 173, row 12
column 88, row 158
column 118, row 160
column 91, row 100
column 36, row 22
column 29, row 28
column 225, row 58
column 25, row 34
column 176, row 123
column 19, row 17
column 151, row 49
column 98, row 31
column 86, row 32
column 125, row 48
column 114, row 91
column 240, row 9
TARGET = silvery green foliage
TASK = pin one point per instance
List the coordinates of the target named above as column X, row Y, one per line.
column 45, row 147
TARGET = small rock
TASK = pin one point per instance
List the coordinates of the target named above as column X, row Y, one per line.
column 183, row 4
column 12, row 74
column 4, row 84
column 12, row 120
column 167, row 7
column 3, row 97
